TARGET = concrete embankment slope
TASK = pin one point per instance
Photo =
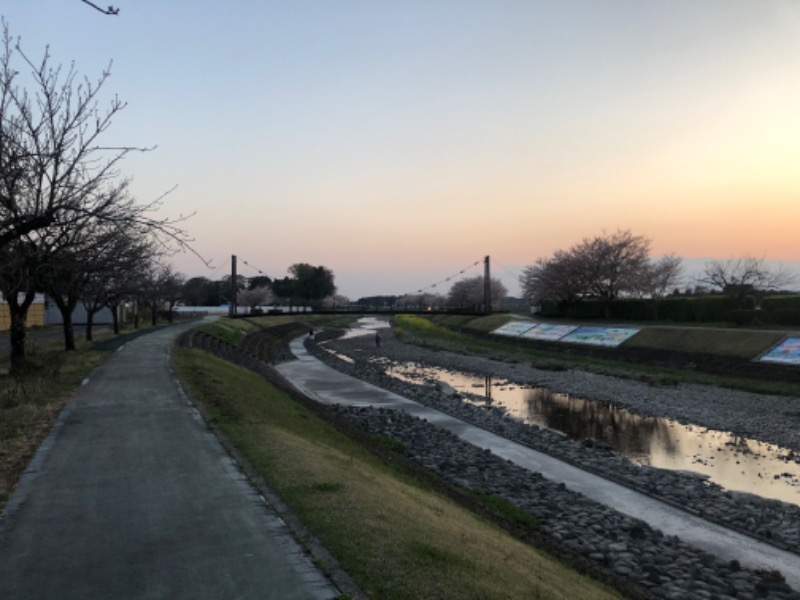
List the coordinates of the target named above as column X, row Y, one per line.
column 329, row 386
column 131, row 496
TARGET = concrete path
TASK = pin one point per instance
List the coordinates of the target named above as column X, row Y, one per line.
column 131, row 496
column 327, row 385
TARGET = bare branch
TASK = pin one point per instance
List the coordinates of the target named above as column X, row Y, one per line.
column 743, row 276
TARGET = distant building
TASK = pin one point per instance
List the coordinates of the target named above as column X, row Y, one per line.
column 52, row 316
column 221, row 311
column 35, row 313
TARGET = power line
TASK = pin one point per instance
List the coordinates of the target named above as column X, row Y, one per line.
column 507, row 270
column 260, row 272
column 461, row 272
column 419, row 291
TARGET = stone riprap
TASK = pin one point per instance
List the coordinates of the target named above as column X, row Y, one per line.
column 770, row 520
column 629, row 548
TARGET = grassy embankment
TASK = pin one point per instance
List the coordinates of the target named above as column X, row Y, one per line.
column 453, row 332
column 396, row 537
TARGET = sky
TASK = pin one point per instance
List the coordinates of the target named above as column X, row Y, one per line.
column 398, row 143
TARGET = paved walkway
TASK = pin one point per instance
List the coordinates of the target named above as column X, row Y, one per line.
column 131, row 496
column 327, row 385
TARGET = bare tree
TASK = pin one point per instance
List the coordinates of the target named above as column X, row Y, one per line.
column 120, row 288
column 170, row 282
column 53, row 168
column 59, row 187
column 69, row 254
column 158, row 286
column 469, row 293
column 110, row 270
column 741, row 277
column 63, row 277
column 658, row 278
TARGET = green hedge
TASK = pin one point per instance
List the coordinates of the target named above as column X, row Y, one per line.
column 588, row 309
column 701, row 309
column 781, row 310
column 748, row 316
column 632, row 310
column 709, row 309
column 786, row 316
column 774, row 303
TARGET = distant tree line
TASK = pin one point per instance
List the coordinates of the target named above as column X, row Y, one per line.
column 616, row 276
column 305, row 285
column 464, row 294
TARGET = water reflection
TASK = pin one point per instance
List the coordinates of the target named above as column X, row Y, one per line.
column 734, row 462
column 580, row 419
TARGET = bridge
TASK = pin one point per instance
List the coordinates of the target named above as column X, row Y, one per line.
column 417, row 306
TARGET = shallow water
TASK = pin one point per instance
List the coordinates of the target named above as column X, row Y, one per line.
column 733, row 462
column 366, row 326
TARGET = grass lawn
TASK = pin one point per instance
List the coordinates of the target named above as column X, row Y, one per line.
column 726, row 342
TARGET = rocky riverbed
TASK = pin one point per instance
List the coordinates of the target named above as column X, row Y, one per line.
column 664, row 566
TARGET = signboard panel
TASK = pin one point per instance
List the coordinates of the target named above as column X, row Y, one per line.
column 600, row 336
column 514, row 328
column 787, row 352
column 549, row 332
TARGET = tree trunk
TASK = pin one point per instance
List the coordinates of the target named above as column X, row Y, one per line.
column 69, row 333
column 66, row 307
column 114, row 315
column 19, row 317
column 92, row 308
column 89, row 323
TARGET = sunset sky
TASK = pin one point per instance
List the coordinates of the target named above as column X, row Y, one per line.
column 399, row 142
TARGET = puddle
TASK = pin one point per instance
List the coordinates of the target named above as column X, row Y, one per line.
column 734, row 463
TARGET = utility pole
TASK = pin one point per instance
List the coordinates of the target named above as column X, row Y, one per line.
column 487, row 286
column 234, row 287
